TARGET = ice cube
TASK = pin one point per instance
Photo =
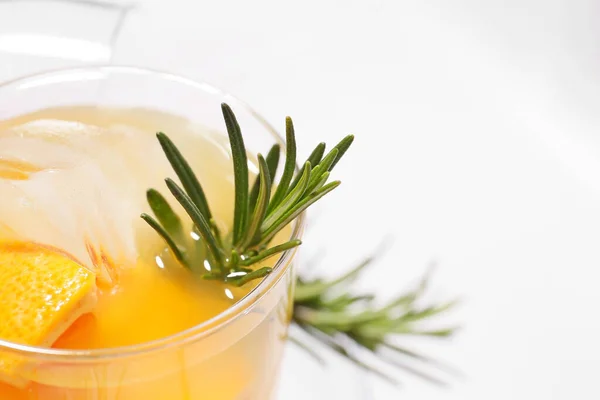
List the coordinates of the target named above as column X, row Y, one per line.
column 86, row 191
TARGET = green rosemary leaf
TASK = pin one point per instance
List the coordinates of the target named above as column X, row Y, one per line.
column 289, row 167
column 197, row 218
column 317, row 288
column 234, row 259
column 325, row 164
column 320, row 169
column 374, row 330
column 290, row 200
column 317, row 154
column 240, row 171
column 321, row 182
column 427, row 312
column 342, row 147
column 318, row 183
column 262, row 203
column 338, row 303
column 242, row 280
column 297, row 210
column 367, row 343
column 339, row 320
column 185, row 174
column 438, row 333
column 314, row 159
column 271, row 251
column 179, row 253
column 164, row 213
column 368, row 316
column 377, row 329
column 407, row 299
column 344, row 301
column 320, row 173
column 272, row 162
column 216, row 232
column 404, row 324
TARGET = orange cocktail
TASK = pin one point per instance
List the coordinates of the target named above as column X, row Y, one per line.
column 95, row 304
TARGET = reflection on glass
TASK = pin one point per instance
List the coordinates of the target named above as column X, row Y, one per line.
column 37, row 35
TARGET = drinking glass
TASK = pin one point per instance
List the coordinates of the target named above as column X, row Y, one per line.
column 234, row 356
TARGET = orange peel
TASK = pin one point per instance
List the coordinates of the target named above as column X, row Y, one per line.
column 43, row 291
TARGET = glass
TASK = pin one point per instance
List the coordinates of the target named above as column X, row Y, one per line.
column 38, row 35
column 235, row 355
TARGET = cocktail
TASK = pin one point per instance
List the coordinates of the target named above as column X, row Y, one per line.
column 191, row 301
column 147, row 248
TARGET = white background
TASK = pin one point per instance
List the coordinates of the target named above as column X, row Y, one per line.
column 478, row 146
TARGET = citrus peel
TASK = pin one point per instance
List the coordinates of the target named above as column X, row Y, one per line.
column 43, row 291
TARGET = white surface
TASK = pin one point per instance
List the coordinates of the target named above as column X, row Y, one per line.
column 336, row 379
column 477, row 145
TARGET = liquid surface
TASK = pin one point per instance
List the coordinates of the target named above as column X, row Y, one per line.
column 76, row 179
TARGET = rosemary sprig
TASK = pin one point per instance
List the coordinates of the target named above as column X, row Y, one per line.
column 351, row 323
column 259, row 214
column 326, row 310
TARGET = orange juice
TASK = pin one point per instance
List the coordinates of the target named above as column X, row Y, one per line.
column 74, row 179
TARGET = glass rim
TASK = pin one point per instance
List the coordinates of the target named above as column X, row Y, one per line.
column 208, row 327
